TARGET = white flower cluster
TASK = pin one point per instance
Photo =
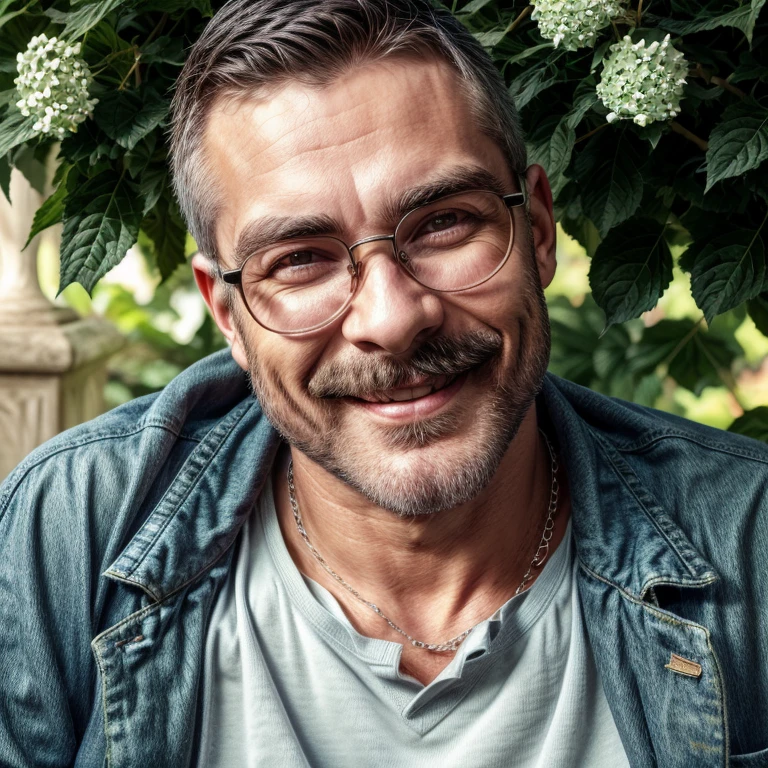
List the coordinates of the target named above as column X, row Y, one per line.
column 574, row 24
column 53, row 84
column 643, row 82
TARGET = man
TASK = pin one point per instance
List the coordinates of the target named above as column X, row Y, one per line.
column 411, row 548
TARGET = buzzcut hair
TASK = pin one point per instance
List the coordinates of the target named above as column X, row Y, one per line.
column 253, row 46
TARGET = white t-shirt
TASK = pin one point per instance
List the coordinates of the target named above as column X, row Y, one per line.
column 289, row 682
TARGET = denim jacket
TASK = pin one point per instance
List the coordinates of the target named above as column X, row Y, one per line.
column 116, row 535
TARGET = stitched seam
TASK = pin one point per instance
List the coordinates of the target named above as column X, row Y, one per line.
column 667, row 616
column 183, row 494
column 647, row 513
column 658, row 612
column 24, row 469
column 711, row 445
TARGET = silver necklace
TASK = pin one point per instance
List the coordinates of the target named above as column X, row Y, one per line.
column 542, row 552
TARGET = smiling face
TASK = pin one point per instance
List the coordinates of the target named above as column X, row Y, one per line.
column 411, row 396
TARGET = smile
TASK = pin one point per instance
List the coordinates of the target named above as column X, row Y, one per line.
column 418, row 401
column 416, row 391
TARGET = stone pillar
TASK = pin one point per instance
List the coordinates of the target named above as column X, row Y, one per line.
column 52, row 362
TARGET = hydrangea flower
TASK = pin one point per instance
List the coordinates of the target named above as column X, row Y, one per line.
column 53, row 85
column 643, row 82
column 574, row 23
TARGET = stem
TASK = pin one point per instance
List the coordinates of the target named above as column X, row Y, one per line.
column 592, row 132
column 616, row 31
column 725, row 85
column 720, row 82
column 522, row 16
column 158, row 28
column 639, row 12
column 686, row 134
column 137, row 54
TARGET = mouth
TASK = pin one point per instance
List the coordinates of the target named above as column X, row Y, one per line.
column 414, row 400
column 414, row 390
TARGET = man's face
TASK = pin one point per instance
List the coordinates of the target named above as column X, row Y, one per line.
column 412, row 396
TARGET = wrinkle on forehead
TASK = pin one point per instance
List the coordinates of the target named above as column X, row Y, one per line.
column 371, row 132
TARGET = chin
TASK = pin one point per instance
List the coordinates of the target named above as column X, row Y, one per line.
column 424, row 467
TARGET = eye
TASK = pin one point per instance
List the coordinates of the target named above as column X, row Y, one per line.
column 297, row 259
column 440, row 221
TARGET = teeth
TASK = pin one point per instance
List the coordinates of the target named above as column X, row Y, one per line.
column 398, row 395
column 409, row 393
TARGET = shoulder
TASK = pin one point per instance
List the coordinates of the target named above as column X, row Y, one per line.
column 712, row 483
column 97, row 476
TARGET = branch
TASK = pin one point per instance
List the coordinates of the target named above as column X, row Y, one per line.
column 522, row 16
column 592, row 132
column 720, row 82
column 686, row 134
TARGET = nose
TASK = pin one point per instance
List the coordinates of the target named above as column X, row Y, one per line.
column 390, row 310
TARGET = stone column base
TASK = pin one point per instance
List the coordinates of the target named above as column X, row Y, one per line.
column 51, row 378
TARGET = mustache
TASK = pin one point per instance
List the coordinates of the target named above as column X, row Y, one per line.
column 439, row 356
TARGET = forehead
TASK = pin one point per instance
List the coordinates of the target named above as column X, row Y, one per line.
column 338, row 150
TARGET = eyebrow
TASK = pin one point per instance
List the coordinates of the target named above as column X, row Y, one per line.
column 262, row 232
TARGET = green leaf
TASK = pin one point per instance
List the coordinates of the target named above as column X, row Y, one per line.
column 5, row 177
column 472, row 7
column 527, row 86
column 33, row 169
column 81, row 20
column 15, row 129
column 727, row 271
column 51, row 211
column 631, row 269
column 101, row 222
column 744, row 18
column 168, row 234
column 752, row 423
column 694, row 357
column 554, row 153
column 758, row 311
column 598, row 55
column 151, row 185
column 612, row 184
column 584, row 98
column 127, row 118
column 738, row 143
column 527, row 52
column 575, row 334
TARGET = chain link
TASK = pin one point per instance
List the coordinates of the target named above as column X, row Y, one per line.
column 542, row 552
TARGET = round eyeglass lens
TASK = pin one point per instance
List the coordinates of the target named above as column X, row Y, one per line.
column 457, row 242
column 297, row 286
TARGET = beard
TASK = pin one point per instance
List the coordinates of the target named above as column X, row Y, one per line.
column 430, row 464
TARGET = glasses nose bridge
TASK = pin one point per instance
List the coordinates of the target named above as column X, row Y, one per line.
column 371, row 239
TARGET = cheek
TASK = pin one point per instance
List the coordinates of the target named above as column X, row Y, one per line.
column 273, row 358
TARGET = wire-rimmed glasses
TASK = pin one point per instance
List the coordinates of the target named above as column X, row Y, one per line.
column 452, row 244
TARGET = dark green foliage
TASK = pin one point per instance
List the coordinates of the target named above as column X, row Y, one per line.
column 693, row 190
column 135, row 50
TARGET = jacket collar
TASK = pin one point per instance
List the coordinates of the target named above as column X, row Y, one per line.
column 204, row 507
column 621, row 534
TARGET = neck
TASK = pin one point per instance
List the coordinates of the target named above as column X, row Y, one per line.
column 434, row 575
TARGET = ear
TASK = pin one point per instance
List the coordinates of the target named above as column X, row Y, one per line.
column 542, row 222
column 214, row 295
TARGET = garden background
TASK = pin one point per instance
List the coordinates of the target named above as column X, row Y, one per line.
column 650, row 121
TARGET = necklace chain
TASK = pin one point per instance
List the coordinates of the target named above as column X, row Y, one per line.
column 542, row 552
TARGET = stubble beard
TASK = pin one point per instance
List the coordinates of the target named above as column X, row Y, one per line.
column 426, row 466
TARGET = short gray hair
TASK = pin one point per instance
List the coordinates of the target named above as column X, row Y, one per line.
column 257, row 44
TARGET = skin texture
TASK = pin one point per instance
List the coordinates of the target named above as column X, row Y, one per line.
column 441, row 563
